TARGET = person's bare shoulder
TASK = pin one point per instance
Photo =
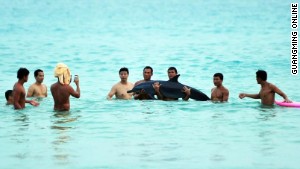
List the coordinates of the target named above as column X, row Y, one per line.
column 272, row 86
column 225, row 89
column 212, row 89
column 17, row 86
column 117, row 85
column 130, row 85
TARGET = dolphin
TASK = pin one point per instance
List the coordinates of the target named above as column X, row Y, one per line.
column 170, row 89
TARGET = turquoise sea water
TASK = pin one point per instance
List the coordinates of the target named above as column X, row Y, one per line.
column 96, row 38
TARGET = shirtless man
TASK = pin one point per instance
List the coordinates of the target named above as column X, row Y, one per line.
column 19, row 90
column 38, row 89
column 120, row 89
column 147, row 73
column 172, row 72
column 267, row 91
column 61, row 90
column 219, row 93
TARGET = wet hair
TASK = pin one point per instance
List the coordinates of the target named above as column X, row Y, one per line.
column 148, row 67
column 36, row 72
column 172, row 68
column 220, row 75
column 124, row 69
column 262, row 74
column 8, row 93
column 22, row 72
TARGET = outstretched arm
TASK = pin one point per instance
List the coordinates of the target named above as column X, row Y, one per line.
column 253, row 96
column 32, row 102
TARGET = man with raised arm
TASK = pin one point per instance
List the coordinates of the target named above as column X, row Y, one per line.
column 61, row 90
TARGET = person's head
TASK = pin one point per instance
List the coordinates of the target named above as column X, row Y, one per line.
column 9, row 96
column 123, row 73
column 39, row 75
column 218, row 79
column 23, row 74
column 147, row 73
column 172, row 72
column 261, row 75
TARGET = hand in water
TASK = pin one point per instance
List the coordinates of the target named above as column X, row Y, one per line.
column 34, row 103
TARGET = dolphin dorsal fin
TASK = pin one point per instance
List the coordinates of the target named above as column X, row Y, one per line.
column 174, row 79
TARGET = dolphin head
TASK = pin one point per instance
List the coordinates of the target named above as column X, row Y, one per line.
column 145, row 87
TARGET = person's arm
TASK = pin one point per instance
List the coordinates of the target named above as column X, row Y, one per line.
column 253, row 96
column 32, row 102
column 283, row 95
column 187, row 92
column 46, row 94
column 30, row 91
column 16, row 95
column 77, row 92
column 111, row 93
column 156, row 86
column 225, row 96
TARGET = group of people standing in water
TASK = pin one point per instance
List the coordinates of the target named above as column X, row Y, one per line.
column 62, row 90
column 219, row 93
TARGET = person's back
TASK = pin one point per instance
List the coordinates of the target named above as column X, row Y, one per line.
column 62, row 90
column 61, row 95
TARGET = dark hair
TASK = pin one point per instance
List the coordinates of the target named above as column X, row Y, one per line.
column 172, row 68
column 8, row 93
column 124, row 69
column 148, row 67
column 262, row 74
column 220, row 75
column 22, row 72
column 36, row 72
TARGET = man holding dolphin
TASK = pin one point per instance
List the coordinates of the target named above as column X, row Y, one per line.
column 172, row 72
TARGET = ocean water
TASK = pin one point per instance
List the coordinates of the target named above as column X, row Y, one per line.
column 96, row 38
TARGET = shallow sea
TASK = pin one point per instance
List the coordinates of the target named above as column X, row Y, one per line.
column 96, row 38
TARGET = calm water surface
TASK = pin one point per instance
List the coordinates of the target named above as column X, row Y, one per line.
column 96, row 38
